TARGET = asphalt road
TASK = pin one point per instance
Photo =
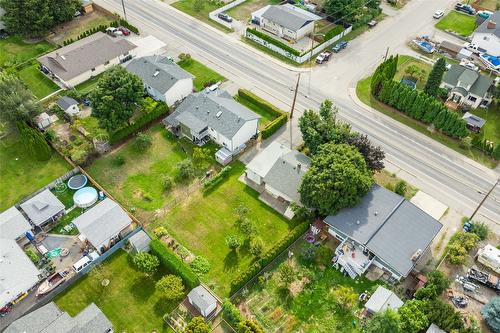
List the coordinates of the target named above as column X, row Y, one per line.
column 450, row 177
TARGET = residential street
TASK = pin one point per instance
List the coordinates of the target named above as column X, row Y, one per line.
column 450, row 177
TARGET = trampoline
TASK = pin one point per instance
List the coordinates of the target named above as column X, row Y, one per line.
column 77, row 182
column 85, row 197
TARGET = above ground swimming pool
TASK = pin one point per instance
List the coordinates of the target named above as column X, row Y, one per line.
column 85, row 197
column 77, row 182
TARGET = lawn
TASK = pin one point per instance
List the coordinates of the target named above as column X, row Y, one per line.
column 314, row 306
column 14, row 50
column 87, row 86
column 459, row 23
column 21, row 175
column 267, row 116
column 203, row 75
column 130, row 301
column 186, row 6
column 91, row 125
column 491, row 130
column 202, row 222
column 39, row 84
column 389, row 181
column 406, row 61
column 66, row 196
column 243, row 11
column 65, row 220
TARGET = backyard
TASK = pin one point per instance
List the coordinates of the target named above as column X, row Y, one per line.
column 203, row 75
column 188, row 7
column 459, row 23
column 13, row 50
column 405, row 62
column 130, row 301
column 39, row 84
column 490, row 130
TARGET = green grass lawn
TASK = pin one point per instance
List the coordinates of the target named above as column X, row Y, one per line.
column 208, row 6
column 39, row 84
column 65, row 220
column 406, row 61
column 66, row 197
column 267, row 116
column 91, row 125
column 490, row 130
column 14, row 50
column 87, row 86
column 460, row 23
column 202, row 222
column 20, row 174
column 130, row 301
column 203, row 75
column 243, row 12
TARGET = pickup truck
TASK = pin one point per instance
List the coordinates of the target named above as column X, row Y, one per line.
column 339, row 46
column 323, row 57
column 467, row 9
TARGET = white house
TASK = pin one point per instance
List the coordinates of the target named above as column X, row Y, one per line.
column 214, row 115
column 381, row 300
column 202, row 300
column 163, row 79
column 487, row 35
column 286, row 21
column 86, row 58
column 13, row 224
column 68, row 105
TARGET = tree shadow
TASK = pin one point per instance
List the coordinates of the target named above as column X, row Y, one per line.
column 142, row 288
column 231, row 261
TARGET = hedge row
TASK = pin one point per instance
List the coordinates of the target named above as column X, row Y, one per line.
column 269, row 256
column 102, row 28
column 273, row 126
column 127, row 25
column 273, row 41
column 212, row 182
column 173, row 263
column 138, row 123
column 334, row 32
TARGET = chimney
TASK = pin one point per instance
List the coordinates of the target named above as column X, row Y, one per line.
column 299, row 166
column 492, row 25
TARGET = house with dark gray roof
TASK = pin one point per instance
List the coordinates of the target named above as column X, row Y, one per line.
column 202, row 300
column 68, row 105
column 214, row 115
column 487, row 35
column 86, row 58
column 163, row 79
column 285, row 21
column 50, row 319
column 467, row 87
column 384, row 230
column 43, row 208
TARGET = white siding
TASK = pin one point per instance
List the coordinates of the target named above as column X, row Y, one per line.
column 489, row 42
column 245, row 133
column 254, row 177
column 89, row 74
column 178, row 91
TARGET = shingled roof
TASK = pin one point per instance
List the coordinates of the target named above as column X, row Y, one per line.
column 289, row 16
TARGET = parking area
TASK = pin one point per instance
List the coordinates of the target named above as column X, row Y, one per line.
column 56, row 243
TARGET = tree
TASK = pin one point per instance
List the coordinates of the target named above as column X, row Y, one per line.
column 411, row 70
column 231, row 313
column 171, row 287
column 480, row 229
column 373, row 155
column 146, row 263
column 34, row 142
column 185, row 169
column 345, row 9
column 142, row 142
column 256, row 246
column 345, row 296
column 435, row 77
column 496, row 152
column 444, row 315
column 286, row 274
column 246, row 227
column 197, row 325
column 337, row 178
column 384, row 322
column 249, row 326
column 400, row 188
column 233, row 242
column 200, row 265
column 459, row 245
column 491, row 314
column 117, row 95
column 16, row 102
column 413, row 316
column 437, row 283
column 168, row 183
column 198, row 5
column 201, row 157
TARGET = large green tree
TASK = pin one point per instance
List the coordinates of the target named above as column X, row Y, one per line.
column 117, row 95
column 249, row 326
column 384, row 322
column 171, row 287
column 413, row 316
column 337, row 178
column 16, row 102
column 197, row 325
column 435, row 77
column 491, row 313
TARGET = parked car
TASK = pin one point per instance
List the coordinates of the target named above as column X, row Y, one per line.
column 438, row 14
column 85, row 261
column 78, row 13
column 323, row 57
column 339, row 46
column 484, row 14
column 225, row 17
column 124, row 31
column 372, row 23
column 111, row 31
column 467, row 9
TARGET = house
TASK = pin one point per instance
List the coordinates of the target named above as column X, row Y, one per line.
column 13, row 225
column 87, row 6
column 18, row 274
column 163, row 79
column 68, row 105
column 103, row 225
column 285, row 21
column 381, row 300
column 214, row 115
column 140, row 242
column 86, row 58
column 49, row 318
column 467, row 87
column 384, row 230
column 43, row 208
column 474, row 123
column 43, row 120
column 434, row 329
column 202, row 300
column 487, row 36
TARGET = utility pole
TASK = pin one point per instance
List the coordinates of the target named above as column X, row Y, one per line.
column 124, row 12
column 291, row 111
column 386, row 52
column 484, row 199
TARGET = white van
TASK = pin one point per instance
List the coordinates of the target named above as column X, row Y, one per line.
column 85, row 261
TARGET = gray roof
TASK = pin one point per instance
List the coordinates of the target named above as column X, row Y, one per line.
column 473, row 120
column 389, row 226
column 102, row 222
column 287, row 17
column 383, row 299
column 50, row 319
column 286, row 174
column 264, row 161
column 468, row 77
column 42, row 207
column 81, row 56
column 215, row 109
column 13, row 224
column 140, row 241
column 158, row 72
column 65, row 102
column 480, row 83
column 17, row 273
column 201, row 298
column 483, row 28
column 450, row 46
column 461, row 90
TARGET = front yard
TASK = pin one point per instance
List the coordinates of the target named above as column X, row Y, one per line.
column 243, row 12
column 203, row 75
column 459, row 23
column 130, row 301
column 405, row 62
column 14, row 50
column 188, row 7
column 490, row 130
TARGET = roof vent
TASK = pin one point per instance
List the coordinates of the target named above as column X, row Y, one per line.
column 196, row 107
column 218, row 114
column 376, row 212
column 157, row 72
column 416, row 255
column 357, row 222
column 492, row 25
column 299, row 166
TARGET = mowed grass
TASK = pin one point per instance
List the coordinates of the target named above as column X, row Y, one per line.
column 20, row 174
column 14, row 50
column 406, row 61
column 202, row 222
column 490, row 130
column 130, row 301
column 187, row 6
column 202, row 74
column 460, row 23
column 40, row 85
column 267, row 116
column 243, row 12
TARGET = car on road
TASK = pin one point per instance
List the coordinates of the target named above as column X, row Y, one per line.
column 467, row 9
column 225, row 17
column 339, row 46
column 484, row 14
column 438, row 14
column 323, row 57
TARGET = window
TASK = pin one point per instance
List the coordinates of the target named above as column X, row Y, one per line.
column 472, row 98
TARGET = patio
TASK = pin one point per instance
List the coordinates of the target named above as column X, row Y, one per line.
column 72, row 243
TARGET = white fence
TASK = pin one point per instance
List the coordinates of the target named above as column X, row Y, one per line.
column 213, row 15
column 305, row 56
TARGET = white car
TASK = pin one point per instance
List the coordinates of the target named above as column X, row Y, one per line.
column 438, row 14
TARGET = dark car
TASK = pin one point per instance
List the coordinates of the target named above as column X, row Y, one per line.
column 225, row 17
column 467, row 9
column 339, row 46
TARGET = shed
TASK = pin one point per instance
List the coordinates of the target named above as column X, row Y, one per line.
column 490, row 257
column 223, row 156
column 140, row 241
column 474, row 123
column 68, row 105
column 202, row 300
column 449, row 48
column 382, row 300
column 464, row 54
column 43, row 207
column 434, row 329
column 43, row 120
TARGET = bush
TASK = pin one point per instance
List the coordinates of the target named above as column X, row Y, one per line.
column 118, row 161
column 146, row 263
column 185, row 169
column 173, row 263
column 334, row 32
column 308, row 252
column 480, row 229
column 168, row 183
column 256, row 246
column 231, row 313
column 233, row 242
column 160, row 232
column 273, row 41
column 129, row 26
column 273, row 126
column 217, row 179
column 400, row 188
column 142, row 142
column 171, row 286
column 200, row 265
column 459, row 245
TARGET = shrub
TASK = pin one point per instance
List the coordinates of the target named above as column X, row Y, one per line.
column 261, row 103
column 249, row 326
column 173, row 263
column 160, row 232
column 217, row 179
column 459, row 245
column 171, row 286
column 129, row 26
column 146, row 263
column 256, row 246
column 118, row 161
column 273, row 41
column 273, row 126
column 200, row 265
column 324, row 255
column 168, row 183
column 480, row 229
column 142, row 142
column 400, row 188
column 233, row 242
column 32, row 255
column 231, row 313
column 185, row 169
column 308, row 252
column 334, row 32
